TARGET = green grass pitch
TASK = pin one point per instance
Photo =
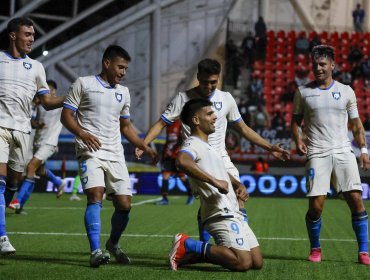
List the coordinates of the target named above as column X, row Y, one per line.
column 51, row 241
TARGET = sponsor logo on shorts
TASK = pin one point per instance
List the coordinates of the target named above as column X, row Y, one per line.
column 336, row 95
column 240, row 241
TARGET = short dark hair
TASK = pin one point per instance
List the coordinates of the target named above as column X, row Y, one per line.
column 209, row 66
column 323, row 51
column 15, row 23
column 113, row 51
column 191, row 108
column 52, row 83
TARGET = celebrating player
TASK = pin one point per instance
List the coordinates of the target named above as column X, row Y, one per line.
column 236, row 245
column 20, row 79
column 96, row 110
column 325, row 105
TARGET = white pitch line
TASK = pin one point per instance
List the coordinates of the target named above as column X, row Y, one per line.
column 171, row 235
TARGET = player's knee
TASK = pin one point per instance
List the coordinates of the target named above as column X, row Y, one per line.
column 242, row 265
column 257, row 263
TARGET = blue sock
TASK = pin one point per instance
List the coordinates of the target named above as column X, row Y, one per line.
column 92, row 224
column 119, row 222
column 244, row 211
column 54, row 179
column 203, row 234
column 25, row 191
column 360, row 226
column 313, row 229
column 2, row 205
column 199, row 247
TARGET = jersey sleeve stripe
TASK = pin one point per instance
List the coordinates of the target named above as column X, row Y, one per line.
column 187, row 152
column 237, row 120
column 65, row 105
column 42, row 92
column 167, row 121
column 124, row 117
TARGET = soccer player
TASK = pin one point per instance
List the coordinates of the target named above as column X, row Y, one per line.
column 226, row 111
column 236, row 245
column 170, row 149
column 96, row 110
column 45, row 144
column 21, row 78
column 325, row 105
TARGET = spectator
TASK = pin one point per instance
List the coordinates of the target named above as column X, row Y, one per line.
column 260, row 166
column 248, row 49
column 365, row 68
column 345, row 75
column 243, row 109
column 260, row 119
column 233, row 63
column 260, row 28
column 278, row 122
column 314, row 42
column 261, row 44
column 301, row 77
column 358, row 16
column 255, row 91
column 288, row 96
column 355, row 55
column 302, row 44
column 366, row 123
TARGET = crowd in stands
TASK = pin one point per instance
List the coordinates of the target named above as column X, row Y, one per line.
column 278, row 63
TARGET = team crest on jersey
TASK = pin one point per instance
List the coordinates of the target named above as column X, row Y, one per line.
column 218, row 105
column 27, row 65
column 336, row 95
column 239, row 241
column 119, row 96
column 84, row 180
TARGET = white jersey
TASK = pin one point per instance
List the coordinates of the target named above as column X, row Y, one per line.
column 49, row 133
column 20, row 80
column 225, row 109
column 213, row 203
column 325, row 113
column 98, row 108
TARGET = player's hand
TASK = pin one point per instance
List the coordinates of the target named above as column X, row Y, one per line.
column 92, row 143
column 152, row 154
column 364, row 162
column 138, row 153
column 242, row 193
column 278, row 152
column 301, row 148
column 221, row 185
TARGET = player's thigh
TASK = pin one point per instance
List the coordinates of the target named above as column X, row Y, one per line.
column 18, row 151
column 232, row 233
column 44, row 152
column 117, row 179
column 346, row 176
column 91, row 172
column 5, row 143
column 318, row 174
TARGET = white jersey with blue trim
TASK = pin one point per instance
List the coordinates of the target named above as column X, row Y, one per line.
column 49, row 133
column 20, row 80
column 225, row 109
column 98, row 108
column 325, row 113
column 213, row 203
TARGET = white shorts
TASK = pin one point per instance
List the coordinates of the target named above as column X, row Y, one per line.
column 14, row 146
column 232, row 233
column 230, row 167
column 44, row 152
column 113, row 175
column 338, row 169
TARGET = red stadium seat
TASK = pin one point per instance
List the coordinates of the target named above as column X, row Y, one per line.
column 344, row 35
column 324, row 36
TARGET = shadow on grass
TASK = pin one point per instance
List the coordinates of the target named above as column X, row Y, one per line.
column 305, row 259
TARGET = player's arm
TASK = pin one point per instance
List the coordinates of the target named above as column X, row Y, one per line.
column 295, row 127
column 359, row 135
column 185, row 163
column 240, row 190
column 256, row 139
column 152, row 134
column 50, row 102
column 129, row 132
column 69, row 121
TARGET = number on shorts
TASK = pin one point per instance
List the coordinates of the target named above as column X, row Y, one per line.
column 235, row 228
column 83, row 166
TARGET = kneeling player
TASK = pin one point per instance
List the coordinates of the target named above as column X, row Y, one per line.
column 236, row 245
